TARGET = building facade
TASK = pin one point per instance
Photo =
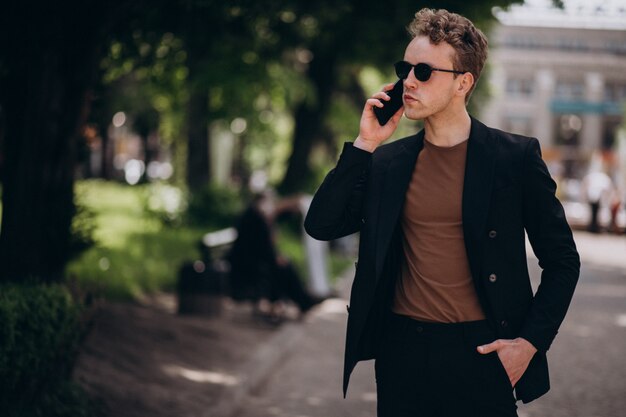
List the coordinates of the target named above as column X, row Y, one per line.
column 560, row 75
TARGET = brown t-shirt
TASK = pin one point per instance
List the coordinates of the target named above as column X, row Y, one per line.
column 435, row 282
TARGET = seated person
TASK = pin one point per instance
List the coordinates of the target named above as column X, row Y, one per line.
column 258, row 271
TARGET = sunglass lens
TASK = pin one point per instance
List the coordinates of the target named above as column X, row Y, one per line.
column 422, row 72
column 402, row 69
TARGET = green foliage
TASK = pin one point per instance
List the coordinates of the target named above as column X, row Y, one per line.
column 214, row 207
column 165, row 203
column 147, row 262
column 289, row 245
column 68, row 400
column 145, row 75
column 254, row 60
column 136, row 252
column 83, row 228
column 40, row 330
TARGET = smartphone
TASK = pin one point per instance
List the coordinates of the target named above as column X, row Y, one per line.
column 383, row 114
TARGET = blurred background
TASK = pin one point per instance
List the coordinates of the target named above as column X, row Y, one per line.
column 136, row 137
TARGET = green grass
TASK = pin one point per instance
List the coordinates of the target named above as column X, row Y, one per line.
column 136, row 254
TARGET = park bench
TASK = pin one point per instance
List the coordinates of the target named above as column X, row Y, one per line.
column 202, row 283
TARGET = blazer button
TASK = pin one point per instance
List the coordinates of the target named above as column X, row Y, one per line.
column 363, row 220
column 493, row 234
column 504, row 323
column 493, row 278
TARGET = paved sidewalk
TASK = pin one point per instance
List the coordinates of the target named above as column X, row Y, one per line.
column 145, row 360
column 602, row 249
column 308, row 381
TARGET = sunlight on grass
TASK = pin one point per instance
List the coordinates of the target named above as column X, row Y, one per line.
column 136, row 254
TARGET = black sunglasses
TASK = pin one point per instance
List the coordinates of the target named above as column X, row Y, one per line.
column 422, row 71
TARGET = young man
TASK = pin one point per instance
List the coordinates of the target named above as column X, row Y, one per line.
column 442, row 298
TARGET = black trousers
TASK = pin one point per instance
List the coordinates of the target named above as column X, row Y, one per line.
column 433, row 370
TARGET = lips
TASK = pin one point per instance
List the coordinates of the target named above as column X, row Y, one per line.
column 409, row 99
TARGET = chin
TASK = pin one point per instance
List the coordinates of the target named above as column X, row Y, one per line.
column 413, row 114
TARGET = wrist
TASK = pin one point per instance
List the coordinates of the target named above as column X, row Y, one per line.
column 528, row 346
column 364, row 144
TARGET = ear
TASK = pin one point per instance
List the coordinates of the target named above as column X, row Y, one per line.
column 466, row 81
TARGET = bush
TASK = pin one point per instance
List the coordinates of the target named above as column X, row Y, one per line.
column 40, row 331
column 214, row 207
column 83, row 229
column 141, row 263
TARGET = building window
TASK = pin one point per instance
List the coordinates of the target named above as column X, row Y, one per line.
column 615, row 47
column 519, row 87
column 615, row 92
column 569, row 90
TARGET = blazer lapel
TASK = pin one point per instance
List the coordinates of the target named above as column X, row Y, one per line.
column 392, row 197
column 477, row 188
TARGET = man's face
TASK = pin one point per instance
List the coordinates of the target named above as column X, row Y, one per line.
column 423, row 99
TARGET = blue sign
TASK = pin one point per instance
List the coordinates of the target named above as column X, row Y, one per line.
column 603, row 107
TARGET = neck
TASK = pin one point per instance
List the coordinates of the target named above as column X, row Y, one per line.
column 447, row 129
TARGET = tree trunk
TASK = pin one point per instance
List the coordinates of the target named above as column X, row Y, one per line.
column 2, row 128
column 106, row 171
column 198, row 57
column 51, row 63
column 309, row 121
column 198, row 164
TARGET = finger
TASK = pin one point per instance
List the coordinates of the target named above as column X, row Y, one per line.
column 490, row 347
column 373, row 102
column 381, row 95
column 388, row 87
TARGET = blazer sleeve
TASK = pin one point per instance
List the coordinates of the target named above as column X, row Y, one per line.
column 552, row 241
column 337, row 207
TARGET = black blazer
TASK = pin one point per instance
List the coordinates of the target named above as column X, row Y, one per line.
column 507, row 190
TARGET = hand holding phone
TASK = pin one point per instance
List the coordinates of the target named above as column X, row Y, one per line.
column 383, row 114
column 371, row 132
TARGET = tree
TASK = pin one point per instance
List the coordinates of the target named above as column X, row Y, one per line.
column 50, row 54
column 217, row 83
column 227, row 57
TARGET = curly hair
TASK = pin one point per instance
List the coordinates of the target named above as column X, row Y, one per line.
column 469, row 43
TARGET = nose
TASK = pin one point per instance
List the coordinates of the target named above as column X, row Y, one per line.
column 410, row 82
